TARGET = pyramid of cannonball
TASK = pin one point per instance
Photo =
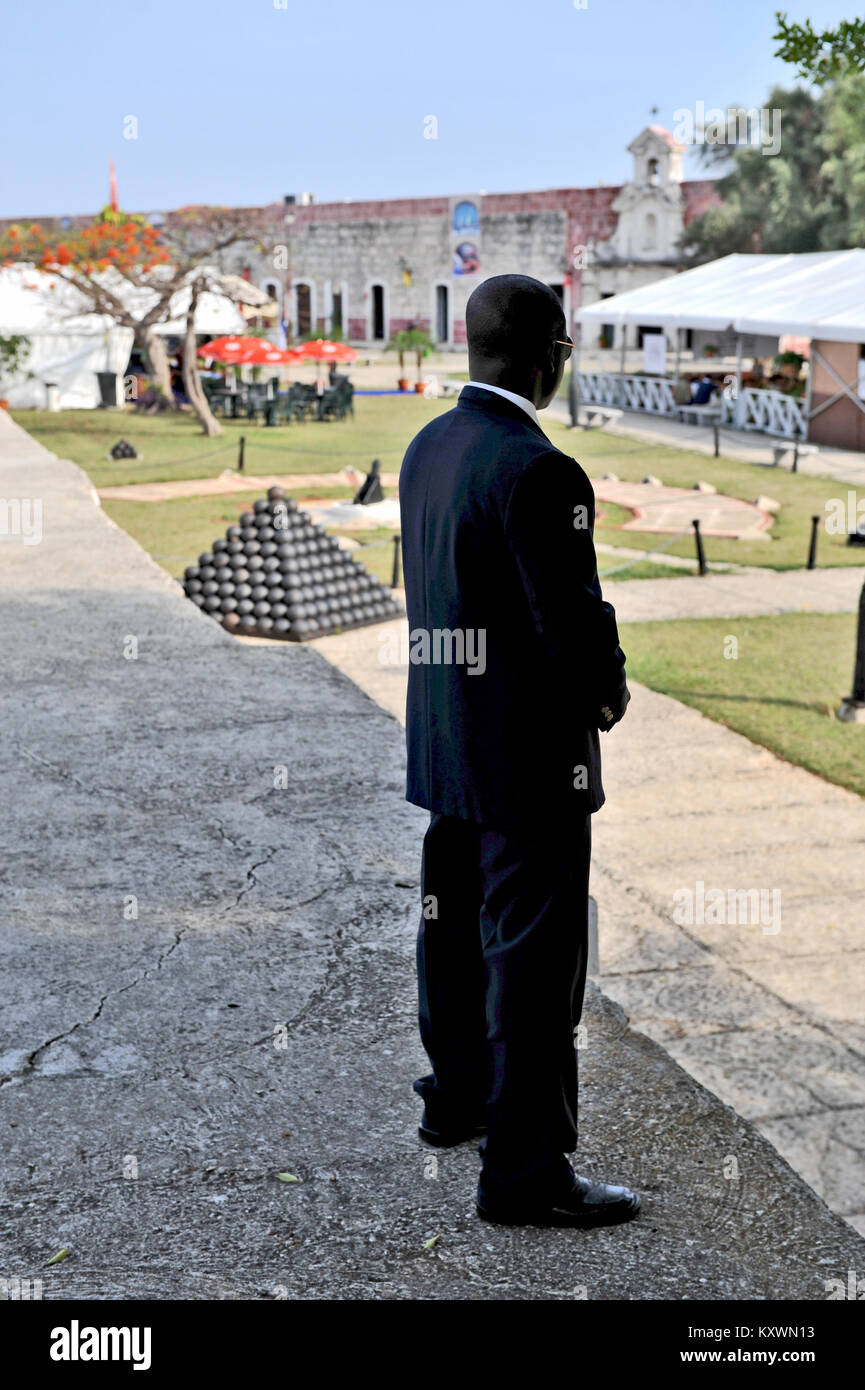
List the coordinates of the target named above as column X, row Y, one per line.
column 276, row 574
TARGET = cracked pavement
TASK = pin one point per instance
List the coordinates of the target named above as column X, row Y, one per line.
column 208, row 982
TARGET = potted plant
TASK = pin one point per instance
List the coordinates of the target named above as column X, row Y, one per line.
column 710, row 350
column 400, row 344
column 789, row 364
column 421, row 345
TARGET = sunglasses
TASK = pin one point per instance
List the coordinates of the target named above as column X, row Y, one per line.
column 563, row 342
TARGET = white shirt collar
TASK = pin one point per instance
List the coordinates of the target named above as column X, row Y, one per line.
column 522, row 401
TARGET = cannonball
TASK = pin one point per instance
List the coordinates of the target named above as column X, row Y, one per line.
column 261, row 609
column 192, row 586
column 191, row 572
column 260, row 504
column 281, row 626
column 275, row 494
column 249, row 533
column 211, row 604
column 265, row 624
column 218, row 544
column 228, row 604
column 232, row 533
column 197, row 599
column 209, row 588
column 206, row 557
column 244, row 606
column 259, row 591
column 226, row 590
column 230, row 622
column 247, row 518
column 278, row 609
column 247, row 623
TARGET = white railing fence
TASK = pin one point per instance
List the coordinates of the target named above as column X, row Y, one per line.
column 770, row 411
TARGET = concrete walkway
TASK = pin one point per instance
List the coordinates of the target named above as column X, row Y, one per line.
column 210, row 894
column 766, row 1010
column 738, row 595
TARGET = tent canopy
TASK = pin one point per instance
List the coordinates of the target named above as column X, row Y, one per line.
column 817, row 295
column 69, row 345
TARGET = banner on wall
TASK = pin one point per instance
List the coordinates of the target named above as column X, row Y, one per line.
column 465, row 234
column 655, row 353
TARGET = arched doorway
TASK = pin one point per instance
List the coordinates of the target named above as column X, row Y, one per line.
column 377, row 330
column 442, row 314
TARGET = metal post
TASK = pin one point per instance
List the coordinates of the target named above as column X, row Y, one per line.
column 809, row 382
column 716, row 431
column 795, row 467
column 573, row 383
column 241, row 450
column 812, row 549
column 624, row 328
column 701, row 554
column 852, row 710
column 394, row 582
column 678, row 348
column 859, row 668
column 738, row 411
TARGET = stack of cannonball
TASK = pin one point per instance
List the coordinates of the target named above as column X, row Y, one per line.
column 277, row 574
column 123, row 450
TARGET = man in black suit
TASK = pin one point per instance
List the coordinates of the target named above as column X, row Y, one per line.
column 514, row 667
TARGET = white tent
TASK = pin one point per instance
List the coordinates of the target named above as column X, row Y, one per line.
column 815, row 295
column 68, row 345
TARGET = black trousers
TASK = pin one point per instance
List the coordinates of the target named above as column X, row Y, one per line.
column 501, row 961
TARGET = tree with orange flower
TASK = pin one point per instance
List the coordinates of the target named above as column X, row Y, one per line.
column 130, row 270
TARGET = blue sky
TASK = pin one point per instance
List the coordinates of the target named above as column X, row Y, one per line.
column 239, row 102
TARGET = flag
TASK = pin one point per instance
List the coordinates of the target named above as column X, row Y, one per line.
column 112, row 183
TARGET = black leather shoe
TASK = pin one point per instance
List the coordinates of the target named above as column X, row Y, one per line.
column 448, row 1138
column 587, row 1204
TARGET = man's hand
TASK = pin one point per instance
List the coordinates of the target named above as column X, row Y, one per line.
column 611, row 714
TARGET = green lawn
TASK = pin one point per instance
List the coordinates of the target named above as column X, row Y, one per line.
column 174, row 448
column 781, row 691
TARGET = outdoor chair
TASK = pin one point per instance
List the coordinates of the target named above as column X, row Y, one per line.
column 331, row 405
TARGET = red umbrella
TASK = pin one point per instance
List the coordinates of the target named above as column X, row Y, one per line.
column 241, row 350
column 323, row 350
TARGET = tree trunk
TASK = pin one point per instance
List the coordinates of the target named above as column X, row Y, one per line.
column 191, row 379
column 154, row 351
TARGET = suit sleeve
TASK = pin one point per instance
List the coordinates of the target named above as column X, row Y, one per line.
column 549, row 526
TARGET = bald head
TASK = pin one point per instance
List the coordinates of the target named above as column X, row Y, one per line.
column 512, row 322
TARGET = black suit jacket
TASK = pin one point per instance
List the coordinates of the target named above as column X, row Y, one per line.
column 497, row 540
